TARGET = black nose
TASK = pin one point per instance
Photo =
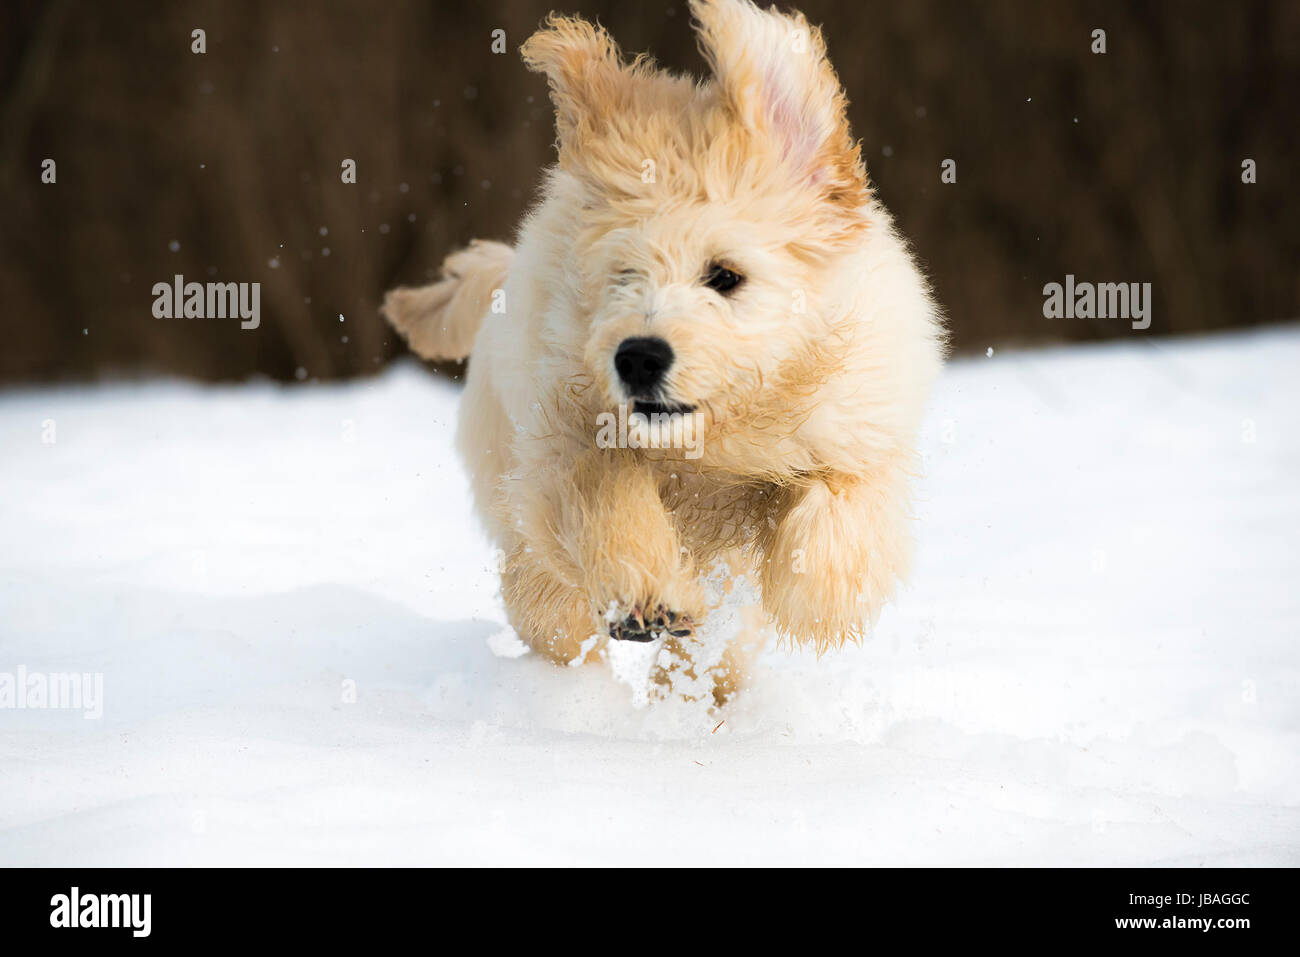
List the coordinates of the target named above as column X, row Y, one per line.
column 642, row 363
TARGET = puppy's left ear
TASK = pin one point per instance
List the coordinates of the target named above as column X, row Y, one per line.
column 772, row 71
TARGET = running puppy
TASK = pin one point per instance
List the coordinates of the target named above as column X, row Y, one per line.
column 710, row 257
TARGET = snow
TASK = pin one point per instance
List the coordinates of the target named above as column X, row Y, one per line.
column 305, row 659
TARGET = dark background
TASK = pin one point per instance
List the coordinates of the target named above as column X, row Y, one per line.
column 1123, row 167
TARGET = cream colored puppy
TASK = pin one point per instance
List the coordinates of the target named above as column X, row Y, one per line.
column 709, row 269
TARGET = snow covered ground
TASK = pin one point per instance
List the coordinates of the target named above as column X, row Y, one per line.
column 1097, row 661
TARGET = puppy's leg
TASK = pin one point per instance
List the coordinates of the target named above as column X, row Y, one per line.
column 834, row 554
column 596, row 535
column 547, row 608
column 629, row 550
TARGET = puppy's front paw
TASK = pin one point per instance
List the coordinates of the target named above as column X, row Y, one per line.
column 637, row 626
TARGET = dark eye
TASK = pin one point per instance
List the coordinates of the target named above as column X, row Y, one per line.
column 721, row 279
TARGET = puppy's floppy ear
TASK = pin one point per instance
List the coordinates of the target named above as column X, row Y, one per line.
column 585, row 72
column 773, row 74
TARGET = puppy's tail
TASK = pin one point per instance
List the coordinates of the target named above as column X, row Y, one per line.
column 440, row 321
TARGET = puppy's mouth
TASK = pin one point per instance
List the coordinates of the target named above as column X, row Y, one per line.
column 653, row 407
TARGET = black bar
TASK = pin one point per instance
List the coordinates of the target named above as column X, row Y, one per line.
column 334, row 907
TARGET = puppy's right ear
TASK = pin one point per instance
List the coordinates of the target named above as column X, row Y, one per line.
column 585, row 72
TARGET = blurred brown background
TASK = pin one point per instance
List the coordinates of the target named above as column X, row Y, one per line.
column 1117, row 167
